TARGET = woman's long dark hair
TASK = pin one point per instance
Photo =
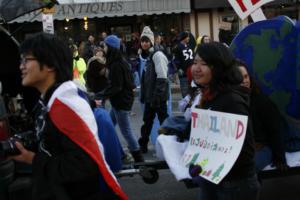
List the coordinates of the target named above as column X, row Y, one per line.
column 113, row 54
column 222, row 63
column 254, row 84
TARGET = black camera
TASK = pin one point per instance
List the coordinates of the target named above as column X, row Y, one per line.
column 27, row 139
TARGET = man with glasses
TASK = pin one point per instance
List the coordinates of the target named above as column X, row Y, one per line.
column 69, row 161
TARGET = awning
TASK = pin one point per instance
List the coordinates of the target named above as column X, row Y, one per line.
column 11, row 9
column 113, row 9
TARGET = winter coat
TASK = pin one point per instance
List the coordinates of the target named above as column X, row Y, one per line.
column 121, row 85
column 61, row 169
column 183, row 58
column 267, row 125
column 79, row 68
column 97, row 75
column 154, row 82
column 236, row 101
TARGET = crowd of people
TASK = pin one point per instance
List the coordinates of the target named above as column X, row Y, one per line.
column 73, row 79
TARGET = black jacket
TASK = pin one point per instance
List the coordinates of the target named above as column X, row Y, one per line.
column 237, row 102
column 120, row 88
column 153, row 90
column 267, row 124
column 69, row 173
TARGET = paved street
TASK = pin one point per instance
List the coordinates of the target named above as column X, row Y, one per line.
column 167, row 188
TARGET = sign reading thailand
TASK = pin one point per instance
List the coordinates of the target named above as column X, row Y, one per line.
column 215, row 143
column 244, row 8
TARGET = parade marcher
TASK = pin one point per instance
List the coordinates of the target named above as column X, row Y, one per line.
column 69, row 161
column 79, row 66
column 267, row 125
column 134, row 44
column 120, row 92
column 202, row 40
column 154, row 86
column 97, row 74
column 89, row 48
column 215, row 70
column 205, row 39
column 184, row 60
column 158, row 42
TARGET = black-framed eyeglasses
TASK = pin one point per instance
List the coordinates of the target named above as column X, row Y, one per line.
column 24, row 60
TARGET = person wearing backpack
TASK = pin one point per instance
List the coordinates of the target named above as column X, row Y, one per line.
column 120, row 92
column 154, row 85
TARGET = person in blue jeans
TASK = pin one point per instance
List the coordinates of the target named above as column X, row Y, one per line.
column 267, row 125
column 120, row 92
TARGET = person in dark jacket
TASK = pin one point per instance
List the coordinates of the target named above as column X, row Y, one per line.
column 214, row 69
column 154, row 86
column 69, row 161
column 267, row 125
column 183, row 55
column 120, row 92
column 89, row 48
column 97, row 74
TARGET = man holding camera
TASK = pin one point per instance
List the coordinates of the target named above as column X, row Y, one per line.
column 69, row 161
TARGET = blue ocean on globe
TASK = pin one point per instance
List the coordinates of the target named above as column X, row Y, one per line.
column 271, row 50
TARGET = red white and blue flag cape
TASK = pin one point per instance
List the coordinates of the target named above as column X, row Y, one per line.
column 65, row 103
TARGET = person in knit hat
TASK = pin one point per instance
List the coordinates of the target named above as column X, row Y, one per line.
column 120, row 92
column 149, row 34
column 113, row 41
column 154, row 85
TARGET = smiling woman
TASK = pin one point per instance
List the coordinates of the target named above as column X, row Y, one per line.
column 215, row 69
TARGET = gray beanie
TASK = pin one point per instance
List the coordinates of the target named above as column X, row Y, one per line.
column 148, row 33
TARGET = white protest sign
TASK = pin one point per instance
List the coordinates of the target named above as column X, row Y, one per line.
column 215, row 143
column 244, row 8
column 48, row 26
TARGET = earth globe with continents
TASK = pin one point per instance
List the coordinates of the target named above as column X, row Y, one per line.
column 271, row 50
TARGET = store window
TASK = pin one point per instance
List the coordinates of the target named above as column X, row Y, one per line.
column 123, row 32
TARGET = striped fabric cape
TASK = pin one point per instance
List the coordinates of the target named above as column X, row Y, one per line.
column 66, row 103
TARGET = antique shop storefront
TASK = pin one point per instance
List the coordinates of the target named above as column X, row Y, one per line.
column 121, row 17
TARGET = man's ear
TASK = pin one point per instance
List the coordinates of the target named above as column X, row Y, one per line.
column 49, row 69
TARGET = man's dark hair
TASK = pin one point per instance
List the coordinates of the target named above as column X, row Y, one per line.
column 222, row 63
column 51, row 51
